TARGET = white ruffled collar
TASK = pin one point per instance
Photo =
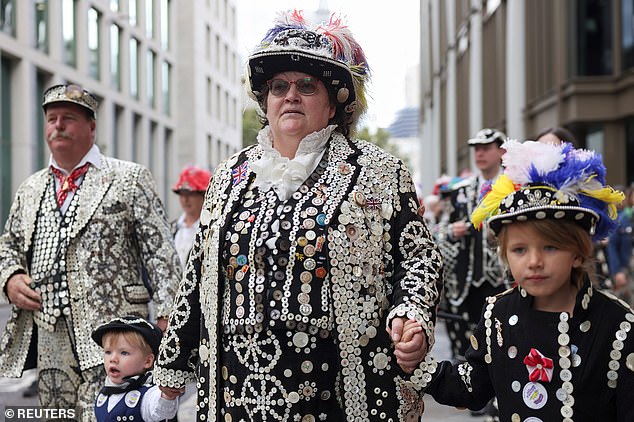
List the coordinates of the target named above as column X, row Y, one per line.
column 282, row 174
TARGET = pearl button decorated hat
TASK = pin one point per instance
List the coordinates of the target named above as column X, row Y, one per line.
column 546, row 181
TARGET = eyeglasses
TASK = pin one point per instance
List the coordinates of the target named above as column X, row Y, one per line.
column 305, row 86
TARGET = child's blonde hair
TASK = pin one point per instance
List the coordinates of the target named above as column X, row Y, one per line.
column 132, row 337
column 564, row 235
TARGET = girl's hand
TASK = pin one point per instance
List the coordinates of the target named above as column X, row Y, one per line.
column 411, row 347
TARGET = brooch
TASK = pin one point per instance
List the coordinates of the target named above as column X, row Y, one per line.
column 540, row 368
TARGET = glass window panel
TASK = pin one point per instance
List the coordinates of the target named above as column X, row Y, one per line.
column 41, row 25
column 594, row 37
column 5, row 139
column 132, row 12
column 151, row 59
column 165, row 24
column 208, row 95
column 134, row 68
column 594, row 139
column 629, row 151
column 627, row 37
column 41, row 149
column 166, row 87
column 94, row 22
column 149, row 18
column 115, row 62
column 114, row 5
column 7, row 16
column 68, row 31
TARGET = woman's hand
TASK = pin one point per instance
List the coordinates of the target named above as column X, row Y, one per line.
column 410, row 343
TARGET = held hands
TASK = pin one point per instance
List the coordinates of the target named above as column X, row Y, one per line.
column 169, row 393
column 410, row 343
column 21, row 294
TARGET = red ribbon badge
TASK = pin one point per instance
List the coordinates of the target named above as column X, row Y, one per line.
column 540, row 368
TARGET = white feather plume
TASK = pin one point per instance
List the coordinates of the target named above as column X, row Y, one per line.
column 521, row 156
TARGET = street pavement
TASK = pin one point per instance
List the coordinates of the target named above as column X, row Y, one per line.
column 11, row 388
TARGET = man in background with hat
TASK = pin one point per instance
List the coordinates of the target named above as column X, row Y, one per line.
column 190, row 188
column 78, row 235
column 472, row 268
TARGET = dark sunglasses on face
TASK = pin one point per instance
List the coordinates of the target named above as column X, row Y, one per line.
column 305, row 86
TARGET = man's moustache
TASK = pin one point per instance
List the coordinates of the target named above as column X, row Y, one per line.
column 56, row 135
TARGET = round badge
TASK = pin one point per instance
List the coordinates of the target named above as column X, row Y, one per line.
column 535, row 395
column 132, row 398
column 101, row 399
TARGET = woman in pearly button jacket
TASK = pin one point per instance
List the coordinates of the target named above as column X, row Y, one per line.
column 311, row 254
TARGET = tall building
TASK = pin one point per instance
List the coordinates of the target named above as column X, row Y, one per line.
column 522, row 66
column 166, row 72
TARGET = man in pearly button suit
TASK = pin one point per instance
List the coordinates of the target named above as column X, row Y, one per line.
column 77, row 238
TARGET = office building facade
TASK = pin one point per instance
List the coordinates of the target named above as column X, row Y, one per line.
column 166, row 72
column 522, row 66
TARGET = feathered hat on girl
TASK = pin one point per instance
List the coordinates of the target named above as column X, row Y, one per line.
column 543, row 181
column 327, row 51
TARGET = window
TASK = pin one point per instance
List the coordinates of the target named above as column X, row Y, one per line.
column 94, row 22
column 132, row 12
column 114, row 5
column 226, row 107
column 137, row 150
column 218, row 99
column 115, row 63
column 593, row 37
column 217, row 52
column 225, row 59
column 208, row 42
column 210, row 153
column 149, row 18
column 68, row 32
column 168, row 153
column 41, row 25
column 151, row 146
column 166, row 88
column 117, row 127
column 208, row 95
column 627, row 35
column 629, row 149
column 5, row 139
column 165, row 24
column 7, row 16
column 595, row 138
column 41, row 149
column 151, row 64
column 134, row 68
